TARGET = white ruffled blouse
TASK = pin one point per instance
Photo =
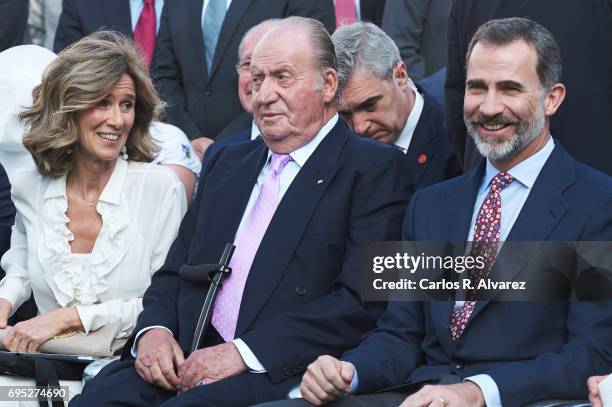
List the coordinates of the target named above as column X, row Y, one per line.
column 141, row 208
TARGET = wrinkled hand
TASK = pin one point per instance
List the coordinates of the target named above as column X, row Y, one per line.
column 27, row 336
column 200, row 145
column 158, row 359
column 5, row 311
column 326, row 379
column 211, row 364
column 466, row 394
column 593, row 385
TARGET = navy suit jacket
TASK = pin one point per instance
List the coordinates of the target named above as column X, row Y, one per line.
column 201, row 104
column 7, row 213
column 80, row 18
column 532, row 350
column 431, row 156
column 301, row 298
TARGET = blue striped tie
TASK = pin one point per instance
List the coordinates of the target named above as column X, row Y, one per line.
column 211, row 26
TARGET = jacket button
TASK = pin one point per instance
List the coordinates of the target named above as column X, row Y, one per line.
column 458, row 365
column 300, row 290
column 207, row 93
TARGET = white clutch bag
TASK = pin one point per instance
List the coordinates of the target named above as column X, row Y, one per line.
column 101, row 343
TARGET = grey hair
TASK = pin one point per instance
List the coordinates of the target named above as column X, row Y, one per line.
column 507, row 30
column 366, row 47
column 322, row 45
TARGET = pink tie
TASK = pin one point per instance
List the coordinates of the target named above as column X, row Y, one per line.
column 248, row 238
column 345, row 12
column 144, row 34
column 486, row 240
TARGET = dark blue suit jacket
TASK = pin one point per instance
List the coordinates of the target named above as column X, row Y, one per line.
column 301, row 298
column 429, row 141
column 7, row 213
column 532, row 351
column 80, row 18
column 202, row 103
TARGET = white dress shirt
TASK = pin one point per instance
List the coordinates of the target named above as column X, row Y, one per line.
column 141, row 208
column 403, row 141
column 291, row 170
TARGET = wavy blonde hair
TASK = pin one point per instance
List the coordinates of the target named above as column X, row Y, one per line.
column 79, row 78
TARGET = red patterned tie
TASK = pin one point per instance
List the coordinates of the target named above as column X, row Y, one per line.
column 486, row 239
column 144, row 34
column 345, row 12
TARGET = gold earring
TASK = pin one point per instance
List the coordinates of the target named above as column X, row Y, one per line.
column 124, row 152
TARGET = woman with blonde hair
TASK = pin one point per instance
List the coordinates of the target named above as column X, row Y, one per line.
column 94, row 220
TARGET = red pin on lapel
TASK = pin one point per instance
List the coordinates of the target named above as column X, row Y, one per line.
column 422, row 159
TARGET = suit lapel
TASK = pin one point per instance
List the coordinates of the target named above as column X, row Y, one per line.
column 286, row 228
column 191, row 13
column 226, row 197
column 456, row 221
column 230, row 25
column 420, row 152
column 118, row 13
column 541, row 212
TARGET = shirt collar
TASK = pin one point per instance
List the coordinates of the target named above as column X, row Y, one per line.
column 526, row 171
column 112, row 189
column 301, row 155
column 254, row 131
column 403, row 141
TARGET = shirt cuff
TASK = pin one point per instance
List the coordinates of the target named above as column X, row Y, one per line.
column 139, row 334
column 489, row 389
column 12, row 291
column 249, row 357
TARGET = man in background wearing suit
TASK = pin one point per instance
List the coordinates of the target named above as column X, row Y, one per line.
column 196, row 54
column 418, row 27
column 379, row 100
column 587, row 71
column 493, row 353
column 138, row 19
column 297, row 207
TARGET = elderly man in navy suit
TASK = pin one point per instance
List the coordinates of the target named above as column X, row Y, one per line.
column 297, row 206
column 379, row 101
column 458, row 353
